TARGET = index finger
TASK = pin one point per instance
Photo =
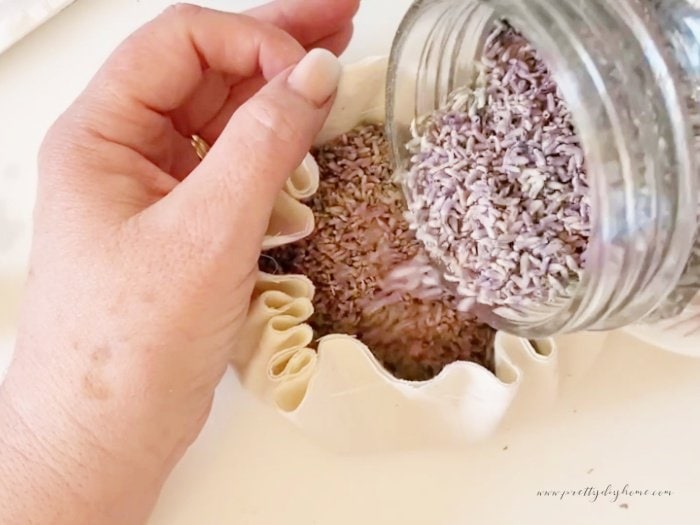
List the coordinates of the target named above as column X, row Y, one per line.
column 162, row 63
column 309, row 21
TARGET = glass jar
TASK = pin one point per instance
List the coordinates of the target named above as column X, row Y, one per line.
column 630, row 73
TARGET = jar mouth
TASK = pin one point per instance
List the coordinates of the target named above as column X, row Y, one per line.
column 634, row 141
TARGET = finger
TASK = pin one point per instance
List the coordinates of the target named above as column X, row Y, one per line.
column 166, row 58
column 309, row 21
column 225, row 204
column 161, row 65
column 337, row 42
column 211, row 129
column 206, row 114
column 314, row 23
column 209, row 125
column 210, row 95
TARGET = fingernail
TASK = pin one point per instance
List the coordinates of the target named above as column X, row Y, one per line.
column 316, row 77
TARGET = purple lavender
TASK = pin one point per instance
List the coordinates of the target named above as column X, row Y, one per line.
column 497, row 187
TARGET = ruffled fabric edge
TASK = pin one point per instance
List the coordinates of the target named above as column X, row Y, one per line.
column 341, row 396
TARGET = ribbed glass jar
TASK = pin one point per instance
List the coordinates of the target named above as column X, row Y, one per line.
column 629, row 71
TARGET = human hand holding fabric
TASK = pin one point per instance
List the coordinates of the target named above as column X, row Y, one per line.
column 144, row 258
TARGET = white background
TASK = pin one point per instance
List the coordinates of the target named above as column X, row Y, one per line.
column 632, row 419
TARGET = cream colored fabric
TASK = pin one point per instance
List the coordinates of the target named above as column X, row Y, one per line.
column 360, row 98
column 274, row 328
column 341, row 396
column 290, row 219
column 304, row 181
column 353, row 405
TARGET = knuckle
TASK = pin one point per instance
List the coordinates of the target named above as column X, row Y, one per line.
column 182, row 10
column 274, row 124
column 56, row 142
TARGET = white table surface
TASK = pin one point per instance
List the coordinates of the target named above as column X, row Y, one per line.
column 633, row 419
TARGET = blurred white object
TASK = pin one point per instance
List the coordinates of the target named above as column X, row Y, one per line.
column 20, row 17
column 680, row 335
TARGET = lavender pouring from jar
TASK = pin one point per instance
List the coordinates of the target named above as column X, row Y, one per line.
column 497, row 189
column 632, row 99
column 372, row 279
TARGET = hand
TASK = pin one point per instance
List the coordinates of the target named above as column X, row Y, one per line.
column 144, row 259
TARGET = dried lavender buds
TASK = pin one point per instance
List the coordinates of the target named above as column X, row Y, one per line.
column 497, row 187
column 361, row 237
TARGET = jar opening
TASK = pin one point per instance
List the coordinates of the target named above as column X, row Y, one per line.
column 634, row 141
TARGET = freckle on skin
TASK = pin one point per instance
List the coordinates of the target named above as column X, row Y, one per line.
column 101, row 355
column 95, row 388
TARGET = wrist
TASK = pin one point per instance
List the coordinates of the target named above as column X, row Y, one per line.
column 58, row 459
column 24, row 474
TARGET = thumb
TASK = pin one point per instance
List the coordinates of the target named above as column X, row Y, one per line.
column 229, row 197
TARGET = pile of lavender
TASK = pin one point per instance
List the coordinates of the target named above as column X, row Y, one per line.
column 497, row 187
column 372, row 279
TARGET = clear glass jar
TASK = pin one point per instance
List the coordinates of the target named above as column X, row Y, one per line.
column 630, row 73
